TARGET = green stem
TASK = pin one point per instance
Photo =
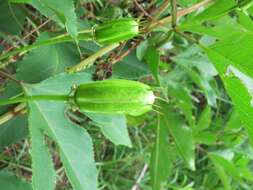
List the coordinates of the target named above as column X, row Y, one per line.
column 84, row 35
column 174, row 13
column 91, row 59
column 35, row 98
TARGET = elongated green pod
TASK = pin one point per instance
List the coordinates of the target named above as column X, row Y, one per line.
column 114, row 97
column 116, row 30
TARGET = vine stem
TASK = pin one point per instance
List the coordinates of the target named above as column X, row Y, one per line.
column 82, row 35
column 35, row 98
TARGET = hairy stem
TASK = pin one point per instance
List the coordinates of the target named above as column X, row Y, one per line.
column 91, row 59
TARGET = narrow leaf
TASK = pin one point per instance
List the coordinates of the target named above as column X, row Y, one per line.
column 181, row 134
column 44, row 176
column 161, row 157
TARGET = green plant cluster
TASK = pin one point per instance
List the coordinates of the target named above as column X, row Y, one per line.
column 126, row 95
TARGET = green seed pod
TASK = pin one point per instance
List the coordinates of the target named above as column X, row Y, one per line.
column 116, row 31
column 114, row 97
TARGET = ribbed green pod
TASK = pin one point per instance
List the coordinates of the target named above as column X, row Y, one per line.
column 114, row 97
column 116, row 30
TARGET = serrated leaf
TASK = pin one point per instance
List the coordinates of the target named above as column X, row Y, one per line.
column 46, row 61
column 44, row 176
column 63, row 12
column 113, row 127
column 181, row 135
column 161, row 156
column 8, row 181
column 235, row 51
column 232, row 62
column 74, row 142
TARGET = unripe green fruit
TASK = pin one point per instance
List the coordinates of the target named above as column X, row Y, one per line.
column 114, row 97
column 116, row 31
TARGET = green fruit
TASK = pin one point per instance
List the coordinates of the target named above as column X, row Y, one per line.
column 116, row 31
column 114, row 97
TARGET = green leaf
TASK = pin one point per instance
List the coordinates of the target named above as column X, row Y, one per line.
column 152, row 57
column 234, row 121
column 161, row 156
column 223, row 161
column 181, row 135
column 113, row 127
column 204, row 137
column 215, row 10
column 12, row 18
column 245, row 20
column 130, row 68
column 63, row 12
column 187, row 3
column 183, row 101
column 13, row 131
column 74, row 143
column 235, row 51
column 46, row 61
column 242, row 101
column 244, row 148
column 204, row 119
column 141, row 50
column 8, row 181
column 203, row 82
column 220, row 171
column 230, row 58
column 44, row 176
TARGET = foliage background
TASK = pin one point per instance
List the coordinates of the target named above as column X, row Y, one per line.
column 198, row 52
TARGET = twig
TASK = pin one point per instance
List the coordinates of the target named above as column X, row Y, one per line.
column 12, row 113
column 161, row 9
column 16, row 165
column 30, row 33
column 123, row 55
column 182, row 13
column 141, row 176
column 148, row 15
column 174, row 13
column 6, row 75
